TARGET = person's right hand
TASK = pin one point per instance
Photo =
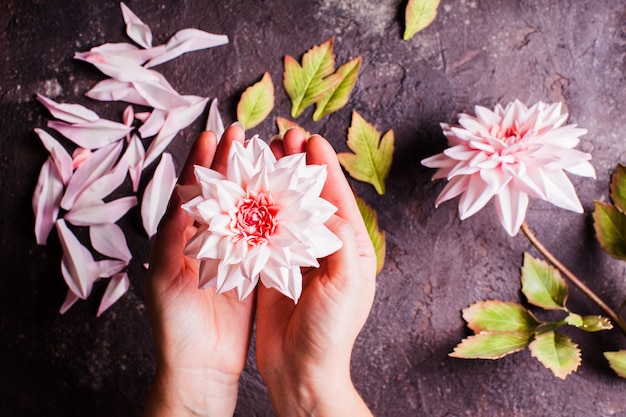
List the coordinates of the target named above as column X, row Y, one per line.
column 303, row 350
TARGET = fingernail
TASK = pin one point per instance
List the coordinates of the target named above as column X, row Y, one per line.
column 239, row 125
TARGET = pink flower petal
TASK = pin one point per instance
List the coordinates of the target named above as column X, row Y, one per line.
column 128, row 116
column 102, row 187
column 115, row 90
column 100, row 213
column 118, row 285
column 71, row 113
column 214, row 120
column 62, row 159
column 100, row 162
column 511, row 205
column 46, row 200
column 176, row 120
column 77, row 262
column 187, row 40
column 160, row 95
column 477, row 194
column 91, row 135
column 79, row 156
column 560, row 191
column 109, row 240
column 137, row 30
column 70, row 299
column 133, row 157
column 157, row 194
column 153, row 124
column 122, row 61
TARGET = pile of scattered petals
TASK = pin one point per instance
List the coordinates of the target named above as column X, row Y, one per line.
column 76, row 188
column 263, row 220
column 511, row 153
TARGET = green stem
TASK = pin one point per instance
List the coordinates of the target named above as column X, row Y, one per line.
column 617, row 320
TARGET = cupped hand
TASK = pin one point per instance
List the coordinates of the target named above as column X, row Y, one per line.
column 202, row 338
column 303, row 350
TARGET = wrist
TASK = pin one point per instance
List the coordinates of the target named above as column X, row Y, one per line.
column 321, row 395
column 192, row 392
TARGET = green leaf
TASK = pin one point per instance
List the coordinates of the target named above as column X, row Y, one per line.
column 372, row 157
column 418, row 15
column 338, row 96
column 499, row 316
column 489, row 345
column 256, row 102
column 617, row 360
column 610, row 225
column 618, row 187
column 284, row 125
column 542, row 284
column 376, row 235
column 556, row 352
column 589, row 323
column 307, row 83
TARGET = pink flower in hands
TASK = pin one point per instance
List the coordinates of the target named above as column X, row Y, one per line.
column 511, row 153
column 263, row 220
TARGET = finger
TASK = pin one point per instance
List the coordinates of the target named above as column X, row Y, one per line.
column 235, row 133
column 294, row 141
column 276, row 145
column 341, row 264
column 336, row 190
column 201, row 153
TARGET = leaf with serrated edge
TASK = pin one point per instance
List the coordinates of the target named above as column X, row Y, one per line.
column 610, row 225
column 542, row 284
column 256, row 102
column 588, row 323
column 556, row 352
column 307, row 83
column 284, row 125
column 618, row 187
column 418, row 15
column 338, row 97
column 372, row 157
column 499, row 316
column 489, row 345
column 617, row 360
column 376, row 235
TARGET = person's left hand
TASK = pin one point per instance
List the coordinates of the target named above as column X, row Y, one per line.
column 202, row 339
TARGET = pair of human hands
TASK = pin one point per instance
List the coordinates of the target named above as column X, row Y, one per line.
column 303, row 350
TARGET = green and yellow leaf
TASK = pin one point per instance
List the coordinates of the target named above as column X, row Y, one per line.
column 617, row 360
column 489, row 345
column 589, row 323
column 542, row 284
column 499, row 316
column 418, row 15
column 338, row 96
column 556, row 352
column 610, row 225
column 307, row 83
column 618, row 188
column 284, row 125
column 256, row 102
column 376, row 235
column 372, row 157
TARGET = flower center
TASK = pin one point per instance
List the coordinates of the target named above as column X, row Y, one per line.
column 254, row 219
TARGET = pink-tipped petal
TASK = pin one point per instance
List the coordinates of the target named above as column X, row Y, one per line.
column 187, row 40
column 477, row 194
column 561, row 192
column 103, row 186
column 137, row 30
column 115, row 90
column 118, row 286
column 91, row 135
column 71, row 113
column 100, row 213
column 46, row 200
column 214, row 121
column 157, row 194
column 511, row 206
column 62, row 159
column 70, row 299
column 100, row 162
column 109, row 240
column 77, row 262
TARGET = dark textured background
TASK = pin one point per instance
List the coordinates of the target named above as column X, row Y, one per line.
column 476, row 52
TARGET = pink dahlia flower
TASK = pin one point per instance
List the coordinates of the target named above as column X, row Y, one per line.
column 263, row 220
column 511, row 153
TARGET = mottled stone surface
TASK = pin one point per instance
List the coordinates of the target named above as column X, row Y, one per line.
column 476, row 52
